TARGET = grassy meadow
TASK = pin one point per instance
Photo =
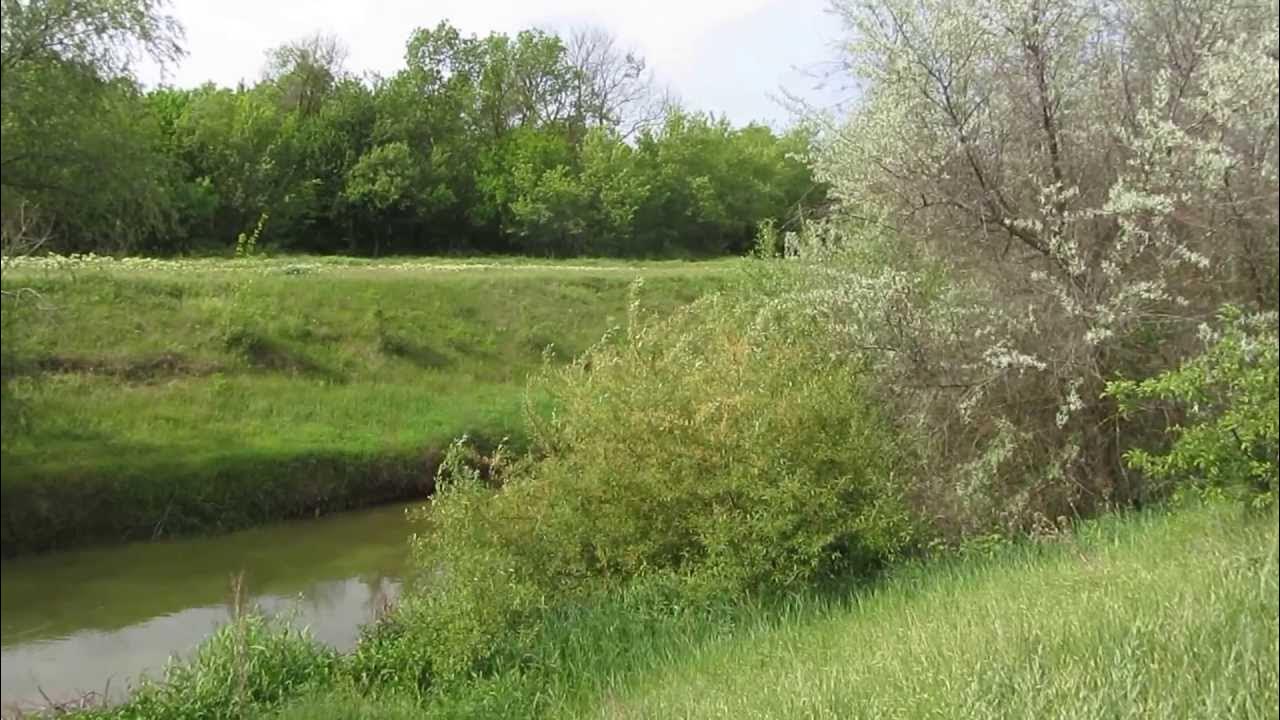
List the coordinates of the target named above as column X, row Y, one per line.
column 150, row 398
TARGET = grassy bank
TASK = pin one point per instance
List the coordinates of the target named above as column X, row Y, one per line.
column 1158, row 615
column 1166, row 618
column 147, row 398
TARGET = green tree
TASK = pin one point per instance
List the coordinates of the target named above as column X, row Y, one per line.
column 1228, row 396
column 711, row 185
column 500, row 143
column 537, row 193
column 306, row 71
column 76, row 144
column 616, row 191
column 237, row 142
column 389, row 186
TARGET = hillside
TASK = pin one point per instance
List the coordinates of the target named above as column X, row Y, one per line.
column 150, row 398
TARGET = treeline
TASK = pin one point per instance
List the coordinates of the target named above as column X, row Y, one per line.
column 533, row 144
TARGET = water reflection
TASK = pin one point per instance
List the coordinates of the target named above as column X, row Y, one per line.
column 85, row 621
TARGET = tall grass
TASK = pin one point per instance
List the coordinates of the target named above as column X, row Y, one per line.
column 1152, row 617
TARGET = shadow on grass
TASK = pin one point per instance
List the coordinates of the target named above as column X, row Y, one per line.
column 266, row 353
column 416, row 353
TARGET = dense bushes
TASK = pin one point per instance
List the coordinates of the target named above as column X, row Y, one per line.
column 716, row 448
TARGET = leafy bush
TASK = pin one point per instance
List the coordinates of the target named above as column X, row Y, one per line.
column 716, row 447
column 1224, row 402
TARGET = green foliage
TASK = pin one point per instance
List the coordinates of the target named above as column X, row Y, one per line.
column 346, row 704
column 1226, row 405
column 249, row 158
column 251, row 663
column 715, row 447
column 710, row 184
column 498, row 143
column 247, row 245
column 89, row 165
column 391, row 655
column 769, row 242
column 382, row 178
column 617, row 191
column 77, row 144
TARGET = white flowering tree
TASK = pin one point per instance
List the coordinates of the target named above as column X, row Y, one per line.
column 1055, row 191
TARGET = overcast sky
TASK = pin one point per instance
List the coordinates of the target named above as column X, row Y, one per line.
column 727, row 56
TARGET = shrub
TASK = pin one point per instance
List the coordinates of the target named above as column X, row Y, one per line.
column 390, row 655
column 1224, row 403
column 251, row 662
column 247, row 244
column 769, row 242
column 715, row 448
column 1002, row 445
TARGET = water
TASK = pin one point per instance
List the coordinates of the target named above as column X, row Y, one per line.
column 85, row 620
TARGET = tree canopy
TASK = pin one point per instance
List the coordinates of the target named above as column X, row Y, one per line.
column 526, row 143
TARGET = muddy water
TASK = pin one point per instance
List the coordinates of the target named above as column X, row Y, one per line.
column 85, row 620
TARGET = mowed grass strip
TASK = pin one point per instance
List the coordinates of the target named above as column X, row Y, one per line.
column 154, row 398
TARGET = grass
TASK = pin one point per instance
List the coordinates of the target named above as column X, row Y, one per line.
column 147, row 398
column 1154, row 615
column 1170, row 618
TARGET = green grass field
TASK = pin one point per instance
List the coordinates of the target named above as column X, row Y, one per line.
column 1154, row 616
column 147, row 397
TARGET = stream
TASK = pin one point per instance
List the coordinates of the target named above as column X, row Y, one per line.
column 98, row 619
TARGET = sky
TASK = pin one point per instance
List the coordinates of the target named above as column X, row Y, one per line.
column 731, row 57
